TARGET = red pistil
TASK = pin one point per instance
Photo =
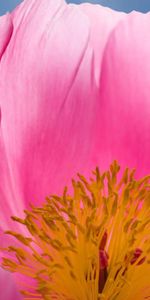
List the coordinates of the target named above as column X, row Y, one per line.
column 136, row 255
column 103, row 260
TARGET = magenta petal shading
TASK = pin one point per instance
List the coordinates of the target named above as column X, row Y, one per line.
column 48, row 128
column 125, row 95
column 8, row 289
column 72, row 94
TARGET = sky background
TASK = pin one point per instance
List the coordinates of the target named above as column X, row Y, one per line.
column 124, row 5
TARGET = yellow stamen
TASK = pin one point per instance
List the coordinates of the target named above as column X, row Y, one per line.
column 92, row 245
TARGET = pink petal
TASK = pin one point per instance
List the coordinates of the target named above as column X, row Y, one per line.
column 6, row 29
column 43, row 75
column 8, row 290
column 124, row 131
column 59, row 118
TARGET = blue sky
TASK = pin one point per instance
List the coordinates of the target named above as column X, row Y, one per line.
column 124, row 5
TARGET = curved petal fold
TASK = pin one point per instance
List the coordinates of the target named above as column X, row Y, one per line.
column 49, row 84
column 103, row 21
column 6, row 29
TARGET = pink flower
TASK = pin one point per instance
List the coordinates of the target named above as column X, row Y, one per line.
column 74, row 90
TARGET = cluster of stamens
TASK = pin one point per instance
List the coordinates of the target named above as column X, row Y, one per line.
column 91, row 245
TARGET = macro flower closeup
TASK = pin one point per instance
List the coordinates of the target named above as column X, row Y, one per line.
column 74, row 94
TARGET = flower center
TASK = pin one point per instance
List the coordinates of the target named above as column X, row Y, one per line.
column 91, row 245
